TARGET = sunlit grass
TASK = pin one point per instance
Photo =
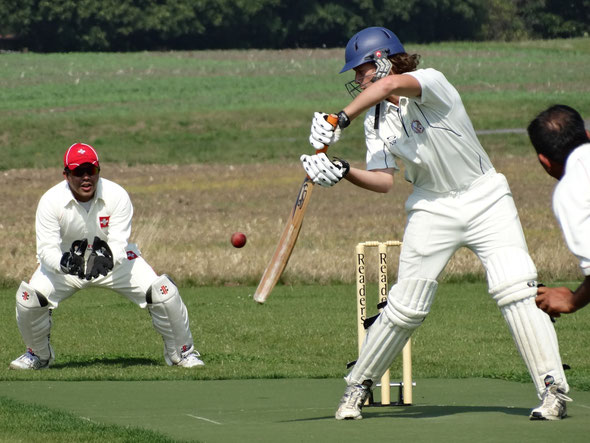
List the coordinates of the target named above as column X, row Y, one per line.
column 249, row 106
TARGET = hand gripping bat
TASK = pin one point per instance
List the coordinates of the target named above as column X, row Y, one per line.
column 287, row 241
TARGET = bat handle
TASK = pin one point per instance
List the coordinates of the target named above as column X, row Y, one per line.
column 333, row 120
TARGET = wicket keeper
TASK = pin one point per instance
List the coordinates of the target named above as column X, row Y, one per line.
column 83, row 226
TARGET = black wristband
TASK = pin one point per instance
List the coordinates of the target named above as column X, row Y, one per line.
column 342, row 164
column 343, row 120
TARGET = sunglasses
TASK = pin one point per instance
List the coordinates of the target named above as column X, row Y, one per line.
column 81, row 171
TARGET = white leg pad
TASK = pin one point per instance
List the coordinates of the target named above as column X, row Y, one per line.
column 512, row 282
column 33, row 318
column 512, row 275
column 408, row 304
column 170, row 318
column 536, row 341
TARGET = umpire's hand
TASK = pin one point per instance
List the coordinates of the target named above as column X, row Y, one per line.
column 100, row 261
column 72, row 262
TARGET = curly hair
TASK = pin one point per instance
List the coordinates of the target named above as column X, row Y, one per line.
column 404, row 62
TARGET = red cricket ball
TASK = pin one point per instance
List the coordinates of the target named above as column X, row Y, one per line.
column 238, row 239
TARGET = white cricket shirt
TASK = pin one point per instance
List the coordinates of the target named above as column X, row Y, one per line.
column 571, row 205
column 432, row 135
column 61, row 220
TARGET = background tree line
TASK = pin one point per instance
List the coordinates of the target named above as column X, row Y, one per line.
column 124, row 25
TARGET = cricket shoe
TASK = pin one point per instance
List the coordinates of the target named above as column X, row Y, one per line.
column 353, row 400
column 553, row 404
column 31, row 361
column 188, row 359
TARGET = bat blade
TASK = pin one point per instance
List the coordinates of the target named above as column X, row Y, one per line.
column 288, row 239
column 286, row 243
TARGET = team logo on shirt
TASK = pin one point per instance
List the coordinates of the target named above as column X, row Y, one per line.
column 417, row 127
column 131, row 255
column 104, row 222
column 392, row 140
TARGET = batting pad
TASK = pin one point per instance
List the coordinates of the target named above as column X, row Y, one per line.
column 170, row 318
column 512, row 284
column 536, row 341
column 512, row 275
column 408, row 304
column 34, row 320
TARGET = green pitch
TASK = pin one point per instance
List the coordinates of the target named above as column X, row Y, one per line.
column 302, row 410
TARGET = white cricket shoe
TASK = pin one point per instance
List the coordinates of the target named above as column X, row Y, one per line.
column 188, row 359
column 553, row 404
column 30, row 361
column 352, row 402
column 191, row 360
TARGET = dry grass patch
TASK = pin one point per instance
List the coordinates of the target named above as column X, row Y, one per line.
column 185, row 215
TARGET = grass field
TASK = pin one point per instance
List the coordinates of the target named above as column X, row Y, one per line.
column 109, row 357
column 207, row 144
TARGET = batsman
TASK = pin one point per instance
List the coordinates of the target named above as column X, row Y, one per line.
column 416, row 117
column 83, row 226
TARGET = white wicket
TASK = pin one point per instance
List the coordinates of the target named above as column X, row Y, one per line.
column 405, row 385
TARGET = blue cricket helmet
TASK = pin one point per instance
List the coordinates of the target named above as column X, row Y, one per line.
column 363, row 45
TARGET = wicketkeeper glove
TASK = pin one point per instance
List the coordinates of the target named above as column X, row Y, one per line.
column 100, row 261
column 72, row 262
column 322, row 171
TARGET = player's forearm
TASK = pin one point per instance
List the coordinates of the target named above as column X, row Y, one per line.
column 376, row 180
column 50, row 258
column 581, row 296
column 47, row 231
column 396, row 85
column 120, row 231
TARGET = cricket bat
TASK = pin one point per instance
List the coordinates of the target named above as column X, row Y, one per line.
column 279, row 260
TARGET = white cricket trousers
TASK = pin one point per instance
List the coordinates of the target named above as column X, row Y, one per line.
column 483, row 218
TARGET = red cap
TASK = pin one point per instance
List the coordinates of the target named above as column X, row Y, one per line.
column 78, row 154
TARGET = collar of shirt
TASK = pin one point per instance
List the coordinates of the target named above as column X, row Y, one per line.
column 68, row 197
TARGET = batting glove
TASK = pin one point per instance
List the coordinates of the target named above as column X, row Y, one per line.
column 322, row 171
column 100, row 261
column 72, row 262
column 322, row 132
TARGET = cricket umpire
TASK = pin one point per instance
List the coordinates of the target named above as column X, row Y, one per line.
column 562, row 143
column 416, row 117
column 82, row 227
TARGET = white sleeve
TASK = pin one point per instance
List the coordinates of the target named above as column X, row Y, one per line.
column 48, row 234
column 571, row 204
column 120, row 226
column 378, row 156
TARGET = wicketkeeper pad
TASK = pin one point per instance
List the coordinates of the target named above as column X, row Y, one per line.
column 408, row 303
column 170, row 318
column 33, row 318
column 512, row 282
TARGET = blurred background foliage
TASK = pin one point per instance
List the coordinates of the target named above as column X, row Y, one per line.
column 133, row 25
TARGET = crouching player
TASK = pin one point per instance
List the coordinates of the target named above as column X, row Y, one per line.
column 82, row 228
